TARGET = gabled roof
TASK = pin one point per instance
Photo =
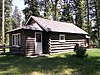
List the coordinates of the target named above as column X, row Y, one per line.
column 53, row 26
column 35, row 26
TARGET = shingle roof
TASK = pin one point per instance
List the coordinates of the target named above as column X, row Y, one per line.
column 35, row 26
column 56, row 26
column 53, row 26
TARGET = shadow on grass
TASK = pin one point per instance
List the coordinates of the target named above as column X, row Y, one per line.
column 66, row 64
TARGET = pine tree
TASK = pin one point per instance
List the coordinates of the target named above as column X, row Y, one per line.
column 98, row 18
column 91, row 17
column 17, row 17
column 0, row 15
column 67, row 14
column 32, row 8
column 54, row 8
column 44, row 8
column 0, row 20
column 7, row 11
column 80, row 6
column 47, row 10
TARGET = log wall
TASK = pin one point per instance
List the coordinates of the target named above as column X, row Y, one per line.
column 27, row 46
column 46, row 44
column 70, row 41
column 16, row 49
column 28, row 42
column 68, row 44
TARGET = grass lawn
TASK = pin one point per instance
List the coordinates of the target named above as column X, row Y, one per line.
column 56, row 64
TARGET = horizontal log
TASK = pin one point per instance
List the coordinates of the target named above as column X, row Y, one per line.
column 66, row 43
column 30, row 38
column 57, row 43
column 62, row 49
column 1, row 50
column 52, row 46
column 59, row 48
column 30, row 49
column 74, row 40
column 67, row 40
column 30, row 44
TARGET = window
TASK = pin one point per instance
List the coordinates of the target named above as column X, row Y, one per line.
column 38, row 37
column 61, row 38
column 16, row 39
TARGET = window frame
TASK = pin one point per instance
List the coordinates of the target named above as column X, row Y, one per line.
column 16, row 39
column 60, row 35
column 36, row 37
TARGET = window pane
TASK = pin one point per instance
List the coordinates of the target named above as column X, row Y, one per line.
column 18, row 39
column 62, row 37
column 13, row 40
column 38, row 37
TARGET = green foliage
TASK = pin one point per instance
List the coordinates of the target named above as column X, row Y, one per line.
column 80, row 6
column 16, row 18
column 94, row 13
column 8, row 9
column 0, row 14
column 54, row 7
column 0, row 19
column 67, row 15
column 98, row 16
column 80, row 51
column 47, row 9
column 82, row 17
column 32, row 9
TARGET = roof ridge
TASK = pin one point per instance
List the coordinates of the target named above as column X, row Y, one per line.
column 39, row 23
column 51, row 20
column 54, row 25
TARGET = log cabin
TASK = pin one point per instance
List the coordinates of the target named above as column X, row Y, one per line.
column 42, row 35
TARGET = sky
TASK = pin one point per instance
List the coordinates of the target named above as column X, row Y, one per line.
column 20, row 4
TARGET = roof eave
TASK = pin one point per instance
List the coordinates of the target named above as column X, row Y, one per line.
column 85, row 33
column 14, row 30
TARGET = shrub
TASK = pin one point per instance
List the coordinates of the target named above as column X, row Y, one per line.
column 80, row 51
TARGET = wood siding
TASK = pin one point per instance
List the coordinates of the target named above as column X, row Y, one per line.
column 27, row 46
column 28, row 42
column 46, row 44
column 70, row 41
column 50, row 42
column 16, row 50
column 68, row 44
